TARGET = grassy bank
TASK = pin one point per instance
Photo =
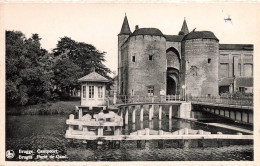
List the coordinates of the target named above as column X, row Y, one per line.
column 59, row 107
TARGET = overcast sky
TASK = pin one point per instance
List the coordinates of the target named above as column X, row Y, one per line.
column 99, row 24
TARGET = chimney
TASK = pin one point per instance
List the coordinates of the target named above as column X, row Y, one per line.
column 136, row 27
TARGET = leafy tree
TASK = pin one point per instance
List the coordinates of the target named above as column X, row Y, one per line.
column 86, row 56
column 27, row 80
column 66, row 74
column 32, row 73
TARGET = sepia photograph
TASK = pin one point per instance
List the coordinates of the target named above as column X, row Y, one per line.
column 120, row 82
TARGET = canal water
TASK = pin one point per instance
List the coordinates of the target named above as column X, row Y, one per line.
column 28, row 137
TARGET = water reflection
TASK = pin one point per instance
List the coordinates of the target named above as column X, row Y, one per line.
column 133, row 126
column 141, row 125
column 151, row 124
column 47, row 132
column 126, row 129
column 170, row 125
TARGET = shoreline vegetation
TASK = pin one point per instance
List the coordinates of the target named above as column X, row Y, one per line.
column 35, row 75
column 50, row 108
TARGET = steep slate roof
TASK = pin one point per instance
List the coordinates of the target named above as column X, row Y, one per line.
column 184, row 28
column 236, row 46
column 93, row 77
column 147, row 31
column 173, row 38
column 244, row 81
column 200, row 35
column 125, row 30
column 226, row 82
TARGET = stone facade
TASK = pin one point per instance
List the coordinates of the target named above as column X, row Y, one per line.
column 140, row 49
column 200, row 61
column 191, row 63
column 235, row 62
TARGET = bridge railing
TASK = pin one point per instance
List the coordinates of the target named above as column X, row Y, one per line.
column 245, row 101
column 126, row 99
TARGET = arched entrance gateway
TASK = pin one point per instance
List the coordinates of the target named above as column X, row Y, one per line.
column 171, row 86
column 172, row 81
column 173, row 67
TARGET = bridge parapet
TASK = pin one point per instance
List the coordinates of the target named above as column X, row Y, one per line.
column 126, row 99
column 223, row 100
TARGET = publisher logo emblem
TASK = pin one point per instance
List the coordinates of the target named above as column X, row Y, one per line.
column 9, row 154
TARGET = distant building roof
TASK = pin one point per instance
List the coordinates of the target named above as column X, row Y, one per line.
column 236, row 46
column 125, row 30
column 244, row 82
column 147, row 31
column 200, row 35
column 93, row 77
column 173, row 38
column 226, row 81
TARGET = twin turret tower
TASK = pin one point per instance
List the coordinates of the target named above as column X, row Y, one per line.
column 152, row 63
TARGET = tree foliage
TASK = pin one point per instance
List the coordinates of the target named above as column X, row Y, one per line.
column 33, row 75
column 66, row 74
column 27, row 74
column 86, row 56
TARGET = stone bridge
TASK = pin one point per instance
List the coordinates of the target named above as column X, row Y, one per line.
column 239, row 110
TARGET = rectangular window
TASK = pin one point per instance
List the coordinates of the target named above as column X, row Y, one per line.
column 150, row 57
column 133, row 58
column 209, row 60
column 242, row 89
column 248, row 70
column 132, row 93
column 100, row 92
column 84, row 91
column 150, row 90
column 223, row 70
column 91, row 92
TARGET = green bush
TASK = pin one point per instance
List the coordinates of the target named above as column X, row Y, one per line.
column 60, row 107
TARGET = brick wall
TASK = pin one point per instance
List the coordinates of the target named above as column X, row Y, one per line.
column 145, row 73
column 200, row 61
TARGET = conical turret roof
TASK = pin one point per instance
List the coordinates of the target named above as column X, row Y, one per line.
column 184, row 28
column 125, row 30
